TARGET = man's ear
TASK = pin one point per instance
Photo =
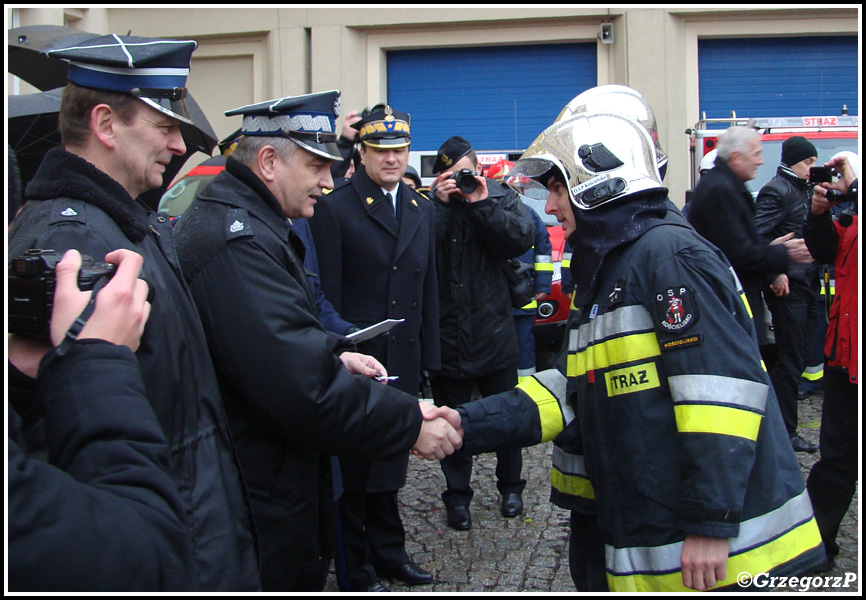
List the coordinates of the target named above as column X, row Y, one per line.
column 102, row 123
column 266, row 160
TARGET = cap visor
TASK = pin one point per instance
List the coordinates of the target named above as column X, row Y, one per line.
column 172, row 108
column 388, row 142
column 327, row 150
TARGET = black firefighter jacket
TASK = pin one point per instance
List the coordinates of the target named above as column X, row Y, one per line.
column 290, row 400
column 72, row 204
column 372, row 269
column 678, row 430
column 473, row 241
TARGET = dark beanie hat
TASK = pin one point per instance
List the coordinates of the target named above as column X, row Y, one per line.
column 797, row 148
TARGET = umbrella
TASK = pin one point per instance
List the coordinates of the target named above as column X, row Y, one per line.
column 32, row 129
column 36, row 114
column 26, row 53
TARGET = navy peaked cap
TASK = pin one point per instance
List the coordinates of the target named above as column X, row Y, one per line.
column 309, row 120
column 153, row 70
column 384, row 128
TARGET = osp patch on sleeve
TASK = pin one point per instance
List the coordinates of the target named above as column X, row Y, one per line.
column 675, row 309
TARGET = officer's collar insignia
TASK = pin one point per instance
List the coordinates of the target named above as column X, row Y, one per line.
column 236, row 226
column 69, row 212
column 414, row 203
column 675, row 309
column 370, row 200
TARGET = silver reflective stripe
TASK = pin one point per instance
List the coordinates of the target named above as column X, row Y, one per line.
column 753, row 532
column 628, row 319
column 697, row 389
column 570, row 464
column 556, row 382
column 660, row 559
column 771, row 525
column 543, row 258
column 526, row 372
column 737, row 283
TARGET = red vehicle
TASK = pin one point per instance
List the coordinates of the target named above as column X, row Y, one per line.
column 830, row 135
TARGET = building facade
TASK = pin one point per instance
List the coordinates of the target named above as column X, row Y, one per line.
column 498, row 76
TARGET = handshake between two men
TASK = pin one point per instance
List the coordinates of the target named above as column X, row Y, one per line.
column 441, row 433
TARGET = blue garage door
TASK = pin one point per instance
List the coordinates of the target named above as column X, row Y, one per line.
column 497, row 97
column 778, row 77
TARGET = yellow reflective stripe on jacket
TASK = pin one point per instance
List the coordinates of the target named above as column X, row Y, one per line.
column 718, row 404
column 568, row 475
column 637, row 341
column 719, row 389
column 617, row 351
column 721, row 420
column 533, row 304
column 566, row 260
column 741, row 292
column 547, row 391
column 763, row 543
column 543, row 262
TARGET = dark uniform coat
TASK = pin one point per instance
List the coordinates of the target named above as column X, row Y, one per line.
column 681, row 433
column 72, row 204
column 104, row 513
column 373, row 269
column 723, row 211
column 473, row 241
column 290, row 400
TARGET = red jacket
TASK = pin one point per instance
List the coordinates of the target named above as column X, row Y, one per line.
column 829, row 241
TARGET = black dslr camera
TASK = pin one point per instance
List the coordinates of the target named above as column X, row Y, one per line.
column 31, row 288
column 465, row 179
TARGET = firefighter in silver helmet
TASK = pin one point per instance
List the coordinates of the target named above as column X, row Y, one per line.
column 661, row 412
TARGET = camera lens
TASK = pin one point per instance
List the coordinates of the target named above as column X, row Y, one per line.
column 467, row 183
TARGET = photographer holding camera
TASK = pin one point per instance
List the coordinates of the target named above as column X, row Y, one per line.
column 121, row 121
column 102, row 512
column 479, row 225
column 832, row 481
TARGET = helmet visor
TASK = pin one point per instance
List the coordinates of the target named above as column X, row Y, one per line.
column 527, row 178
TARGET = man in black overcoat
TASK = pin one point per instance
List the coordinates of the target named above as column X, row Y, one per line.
column 376, row 244
column 294, row 393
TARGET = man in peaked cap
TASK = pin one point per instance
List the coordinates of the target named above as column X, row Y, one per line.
column 120, row 126
column 376, row 245
column 295, row 394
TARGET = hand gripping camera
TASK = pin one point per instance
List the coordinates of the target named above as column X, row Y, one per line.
column 31, row 288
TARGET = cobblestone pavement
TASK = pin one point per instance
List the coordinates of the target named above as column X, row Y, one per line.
column 530, row 553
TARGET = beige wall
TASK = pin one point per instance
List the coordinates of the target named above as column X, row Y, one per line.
column 249, row 55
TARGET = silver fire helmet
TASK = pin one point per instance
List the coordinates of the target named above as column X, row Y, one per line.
column 602, row 156
column 620, row 100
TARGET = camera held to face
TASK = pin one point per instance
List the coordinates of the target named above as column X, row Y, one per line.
column 465, row 179
column 31, row 288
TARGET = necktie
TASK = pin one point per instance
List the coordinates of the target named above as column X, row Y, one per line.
column 395, row 204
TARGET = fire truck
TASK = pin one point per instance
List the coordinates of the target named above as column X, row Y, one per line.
column 829, row 134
